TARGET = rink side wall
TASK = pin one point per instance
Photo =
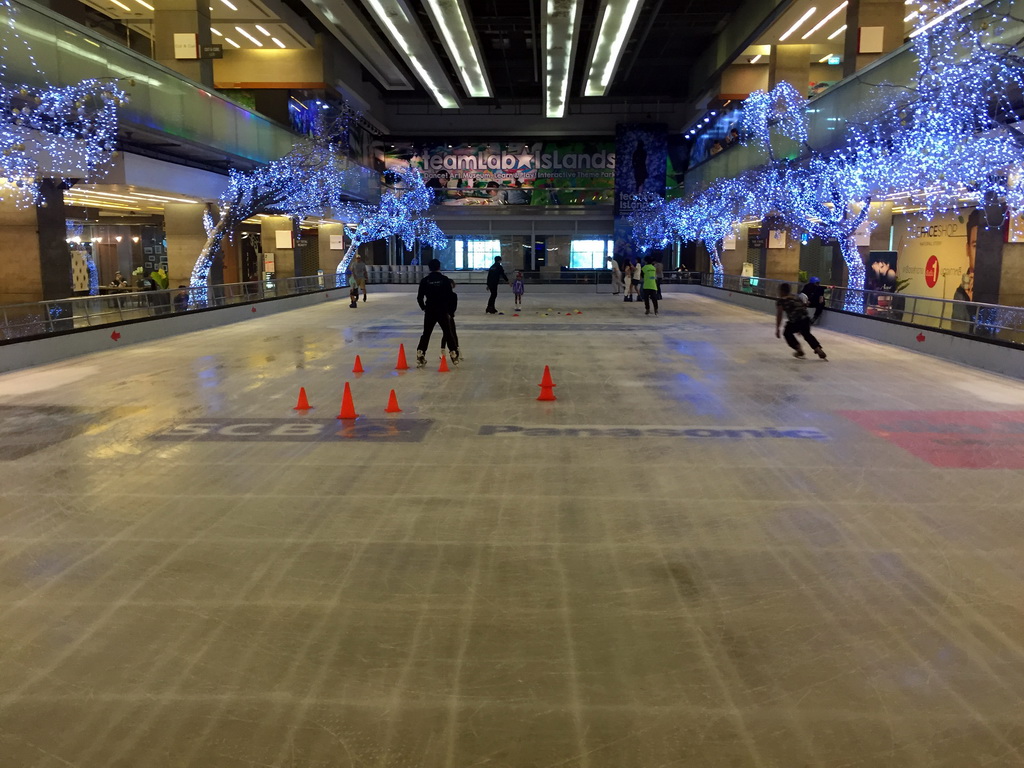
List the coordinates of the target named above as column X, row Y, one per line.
column 995, row 357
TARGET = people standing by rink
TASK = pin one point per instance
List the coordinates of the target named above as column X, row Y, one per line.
column 616, row 276
column 627, row 277
column 649, row 277
column 798, row 321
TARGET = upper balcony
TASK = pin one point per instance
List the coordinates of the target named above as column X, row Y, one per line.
column 166, row 110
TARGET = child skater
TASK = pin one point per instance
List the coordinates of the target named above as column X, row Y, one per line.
column 517, row 288
column 452, row 307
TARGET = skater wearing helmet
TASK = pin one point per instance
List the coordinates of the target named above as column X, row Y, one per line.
column 815, row 293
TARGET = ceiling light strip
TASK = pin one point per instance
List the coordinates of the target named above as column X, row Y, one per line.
column 756, row 58
column 617, row 22
column 940, row 18
column 408, row 38
column 561, row 26
column 253, row 40
column 449, row 18
column 810, row 12
column 837, row 33
column 825, row 20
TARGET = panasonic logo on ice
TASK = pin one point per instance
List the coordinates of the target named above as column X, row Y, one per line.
column 728, row 433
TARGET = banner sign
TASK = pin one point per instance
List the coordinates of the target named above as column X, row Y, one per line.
column 538, row 173
column 643, row 154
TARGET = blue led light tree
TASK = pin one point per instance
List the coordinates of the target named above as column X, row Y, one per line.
column 400, row 212
column 947, row 139
column 61, row 133
column 310, row 180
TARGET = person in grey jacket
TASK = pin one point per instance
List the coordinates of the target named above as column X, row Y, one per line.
column 358, row 270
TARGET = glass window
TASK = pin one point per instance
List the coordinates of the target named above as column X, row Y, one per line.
column 589, row 254
column 480, row 254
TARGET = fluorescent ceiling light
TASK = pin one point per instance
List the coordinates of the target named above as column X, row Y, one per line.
column 837, row 33
column 278, row 42
column 911, row 16
column 940, row 18
column 229, row 4
column 262, row 31
column 617, row 20
column 449, row 18
column 810, row 12
column 119, row 4
column 756, row 58
column 824, row 21
column 243, row 33
column 217, row 32
column 229, row 40
column 561, row 21
column 145, row 5
column 825, row 58
column 407, row 36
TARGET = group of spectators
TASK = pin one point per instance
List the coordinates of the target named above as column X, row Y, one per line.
column 720, row 145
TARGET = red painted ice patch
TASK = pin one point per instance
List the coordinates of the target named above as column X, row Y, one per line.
column 115, row 335
column 920, row 337
column 952, row 439
column 254, row 309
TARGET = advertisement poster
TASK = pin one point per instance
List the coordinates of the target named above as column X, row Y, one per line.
column 949, row 257
column 932, row 255
column 642, row 152
column 493, row 173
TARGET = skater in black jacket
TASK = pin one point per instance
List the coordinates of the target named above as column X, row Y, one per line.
column 436, row 298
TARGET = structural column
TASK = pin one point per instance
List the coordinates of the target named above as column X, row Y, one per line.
column 182, row 17
column 186, row 236
column 791, row 63
column 873, row 28
column 36, row 263
column 284, row 258
column 330, row 258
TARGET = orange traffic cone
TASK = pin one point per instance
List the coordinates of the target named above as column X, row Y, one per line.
column 358, row 367
column 392, row 404
column 303, row 404
column 443, row 367
column 547, row 386
column 401, row 365
column 348, row 410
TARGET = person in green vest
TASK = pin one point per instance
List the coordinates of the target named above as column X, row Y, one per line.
column 649, row 275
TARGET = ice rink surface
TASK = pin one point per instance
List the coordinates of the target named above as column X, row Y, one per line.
column 703, row 553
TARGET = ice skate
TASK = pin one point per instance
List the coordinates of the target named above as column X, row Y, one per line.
column 820, row 353
column 455, row 356
column 799, row 353
column 421, row 358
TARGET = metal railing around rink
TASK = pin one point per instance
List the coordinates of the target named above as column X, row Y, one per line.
column 969, row 318
column 44, row 318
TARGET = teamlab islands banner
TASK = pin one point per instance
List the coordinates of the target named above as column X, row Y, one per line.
column 498, row 173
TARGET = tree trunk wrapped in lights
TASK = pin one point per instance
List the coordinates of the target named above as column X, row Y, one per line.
column 400, row 213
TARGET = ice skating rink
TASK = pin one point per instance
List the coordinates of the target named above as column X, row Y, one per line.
column 704, row 553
